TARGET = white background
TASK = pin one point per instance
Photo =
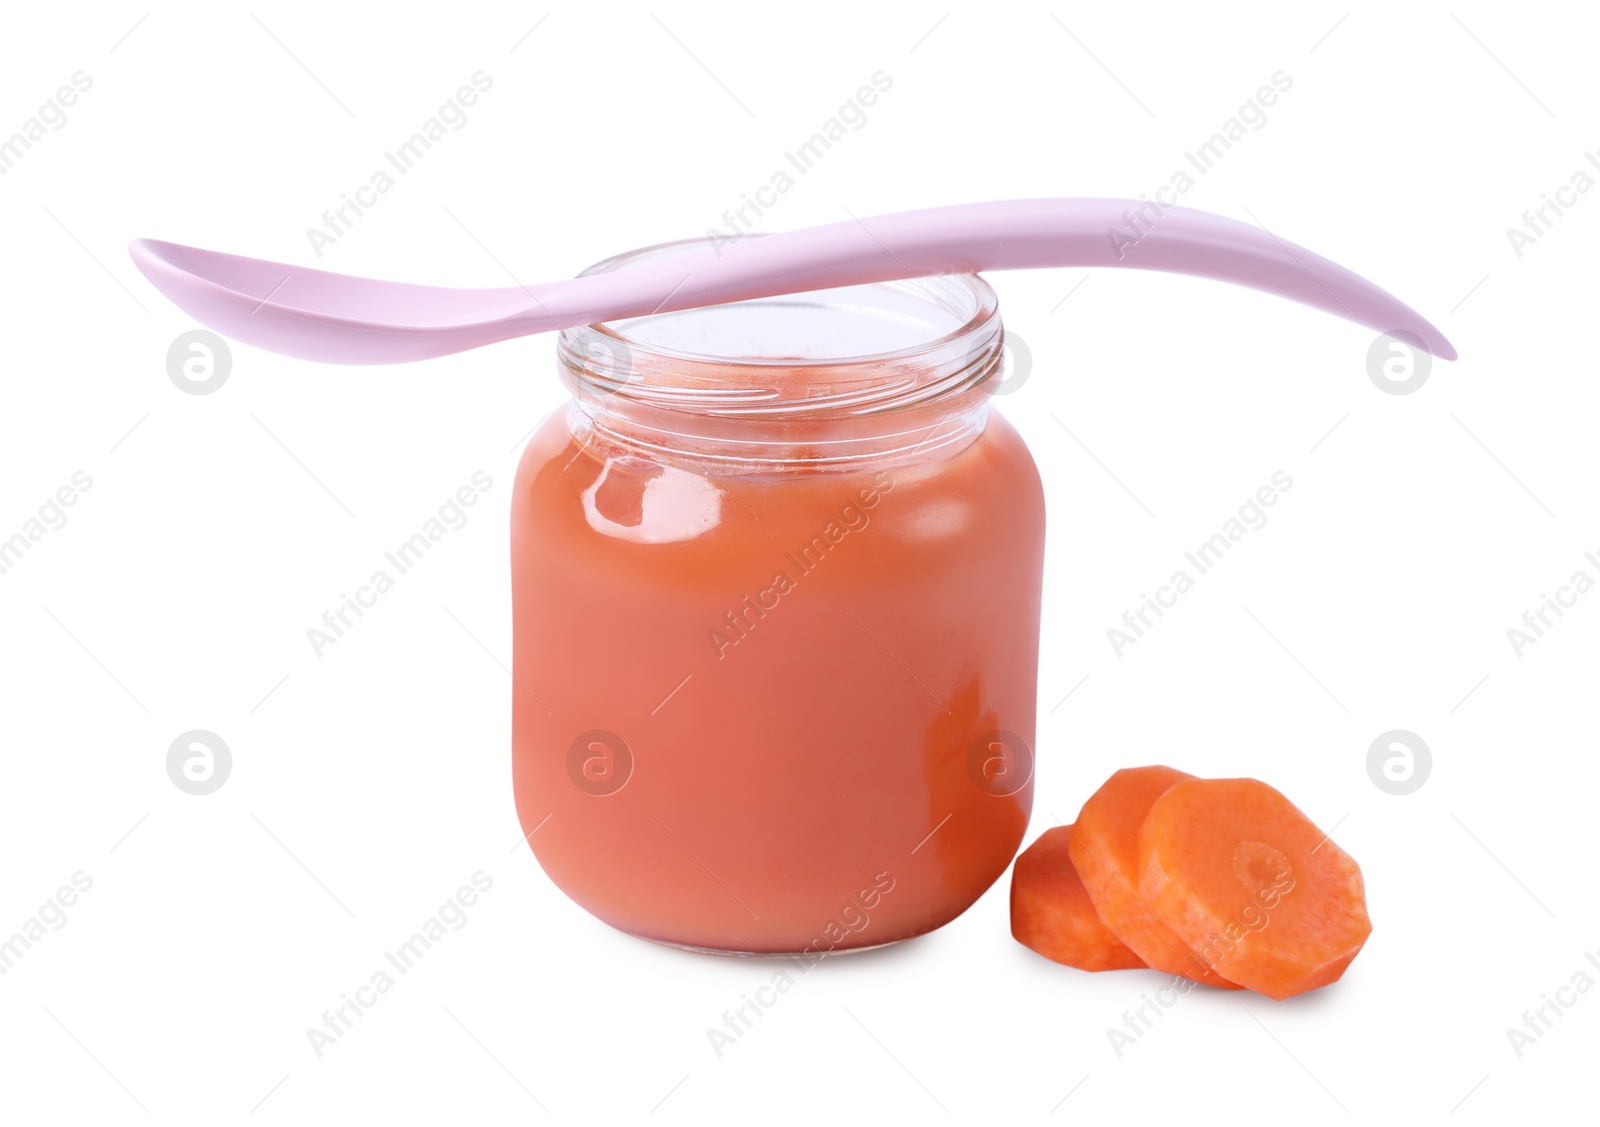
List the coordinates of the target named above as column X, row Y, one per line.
column 369, row 783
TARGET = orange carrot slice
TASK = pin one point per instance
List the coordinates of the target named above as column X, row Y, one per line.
column 1105, row 848
column 1051, row 911
column 1252, row 886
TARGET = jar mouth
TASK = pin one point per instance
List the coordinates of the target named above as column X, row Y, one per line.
column 849, row 350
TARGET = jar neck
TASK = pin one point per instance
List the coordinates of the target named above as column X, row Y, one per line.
column 875, row 374
column 892, row 416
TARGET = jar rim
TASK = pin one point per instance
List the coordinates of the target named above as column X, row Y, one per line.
column 985, row 301
column 617, row 363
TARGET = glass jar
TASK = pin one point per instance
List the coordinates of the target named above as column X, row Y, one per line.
column 776, row 580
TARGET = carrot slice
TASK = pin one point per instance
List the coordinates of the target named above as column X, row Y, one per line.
column 1051, row 911
column 1105, row 848
column 1252, row 886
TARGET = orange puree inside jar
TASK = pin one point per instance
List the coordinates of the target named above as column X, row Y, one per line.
column 776, row 580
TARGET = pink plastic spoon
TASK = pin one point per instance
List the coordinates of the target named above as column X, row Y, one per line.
column 315, row 315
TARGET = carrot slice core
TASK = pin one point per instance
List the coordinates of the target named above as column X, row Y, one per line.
column 1251, row 885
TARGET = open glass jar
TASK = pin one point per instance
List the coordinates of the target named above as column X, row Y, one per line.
column 776, row 581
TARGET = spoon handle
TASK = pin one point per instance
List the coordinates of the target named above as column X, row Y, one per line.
column 999, row 235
